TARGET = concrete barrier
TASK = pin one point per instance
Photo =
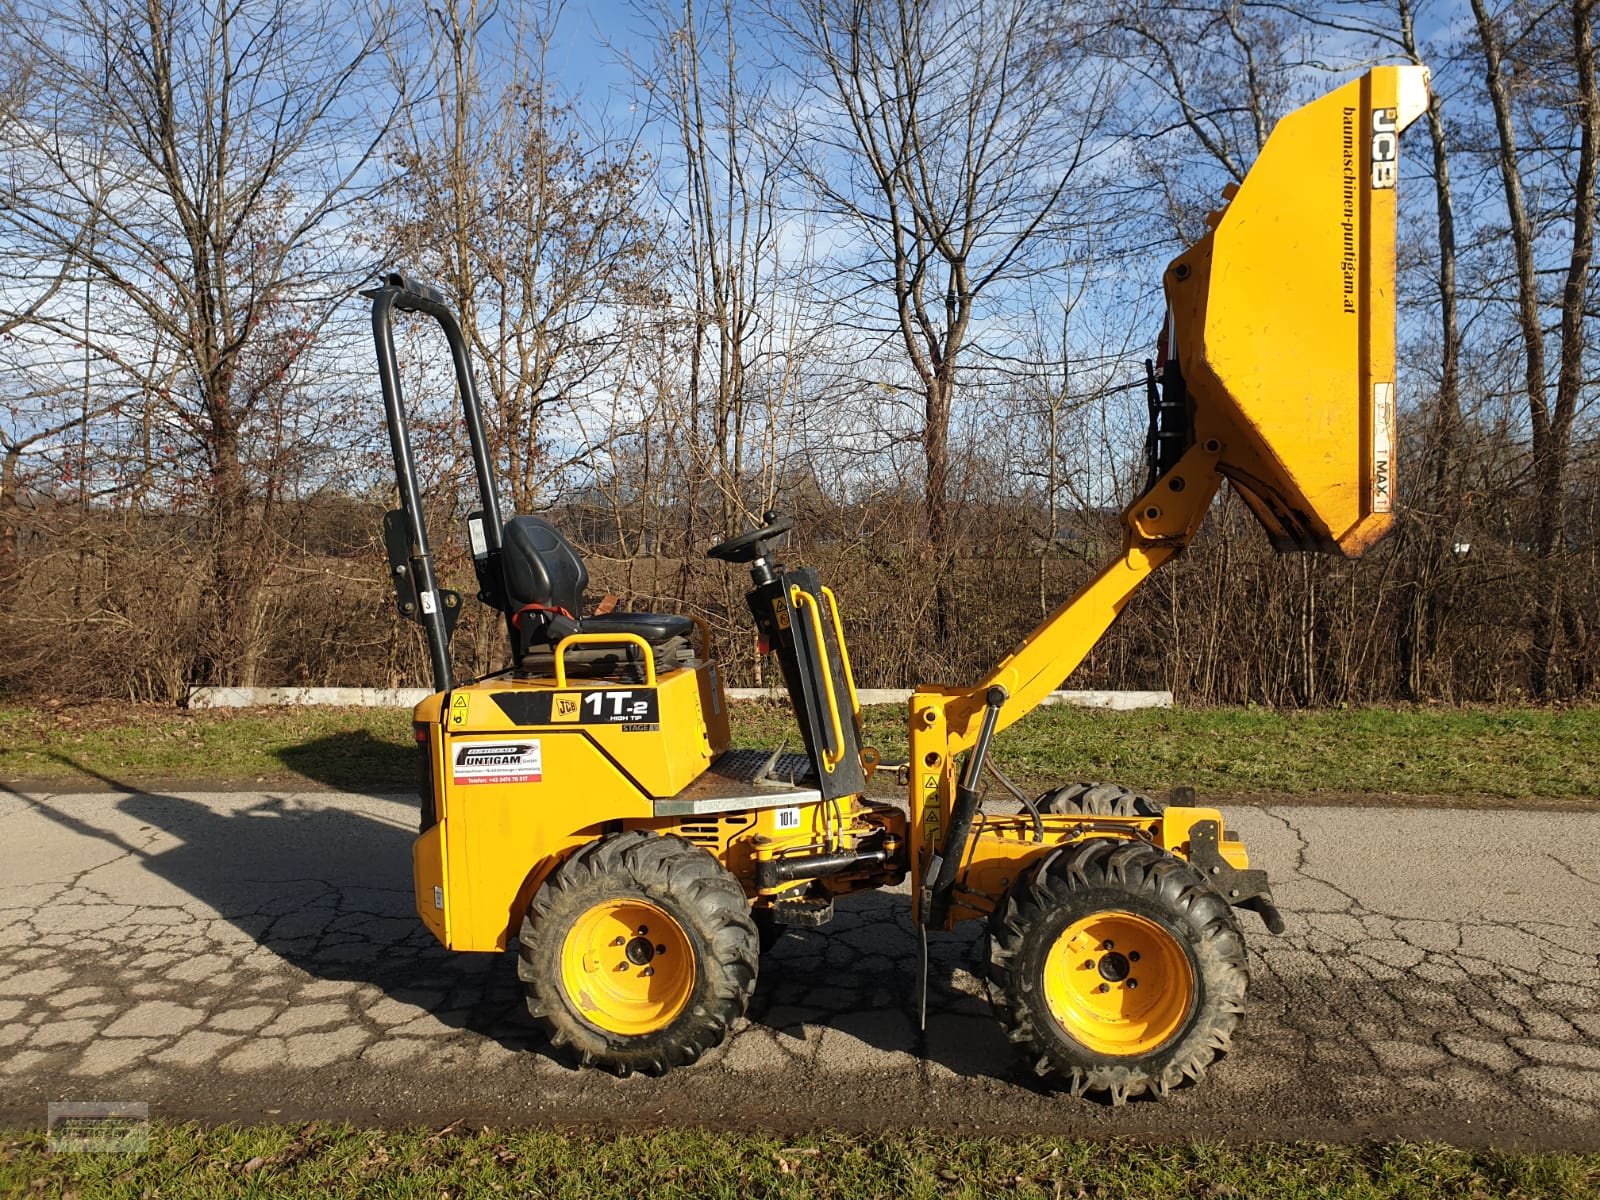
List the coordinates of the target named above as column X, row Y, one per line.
column 241, row 697
column 236, row 697
column 1120, row 701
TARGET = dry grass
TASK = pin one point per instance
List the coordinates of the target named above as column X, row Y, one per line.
column 332, row 1160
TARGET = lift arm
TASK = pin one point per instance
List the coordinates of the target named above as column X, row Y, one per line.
column 1280, row 345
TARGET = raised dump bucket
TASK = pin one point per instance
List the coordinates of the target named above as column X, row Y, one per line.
column 1283, row 319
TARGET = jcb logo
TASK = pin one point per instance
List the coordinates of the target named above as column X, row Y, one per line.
column 1385, row 148
column 566, row 707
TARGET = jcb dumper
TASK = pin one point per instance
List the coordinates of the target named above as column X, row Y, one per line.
column 586, row 806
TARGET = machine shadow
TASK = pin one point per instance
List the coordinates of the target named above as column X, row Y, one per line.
column 858, row 975
column 352, row 760
column 327, row 891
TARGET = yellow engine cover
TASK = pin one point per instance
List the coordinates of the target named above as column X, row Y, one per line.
column 522, row 771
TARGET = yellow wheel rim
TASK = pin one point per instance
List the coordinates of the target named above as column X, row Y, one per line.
column 628, row 966
column 1119, row 983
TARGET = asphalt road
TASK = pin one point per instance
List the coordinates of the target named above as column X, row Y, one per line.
column 254, row 956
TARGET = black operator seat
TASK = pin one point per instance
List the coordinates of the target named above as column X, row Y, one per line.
column 544, row 582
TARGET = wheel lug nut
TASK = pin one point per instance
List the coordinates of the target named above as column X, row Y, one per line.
column 1105, row 987
column 649, row 971
column 1133, row 956
column 1088, row 964
column 1108, row 944
column 643, row 930
column 661, row 949
column 617, row 941
column 1133, row 983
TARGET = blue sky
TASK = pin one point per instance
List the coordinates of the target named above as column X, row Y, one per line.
column 588, row 52
column 585, row 64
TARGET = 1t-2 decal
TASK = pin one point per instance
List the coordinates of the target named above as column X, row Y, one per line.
column 632, row 708
column 616, row 706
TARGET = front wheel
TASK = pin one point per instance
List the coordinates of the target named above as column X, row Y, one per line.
column 639, row 952
column 1116, row 969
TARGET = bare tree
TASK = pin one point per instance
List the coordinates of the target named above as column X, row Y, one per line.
column 534, row 228
column 16, row 441
column 223, row 148
column 30, row 406
column 1211, row 82
column 729, row 210
column 1551, row 418
column 947, row 139
column 1447, row 408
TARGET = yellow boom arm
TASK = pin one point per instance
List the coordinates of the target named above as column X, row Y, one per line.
column 1282, row 333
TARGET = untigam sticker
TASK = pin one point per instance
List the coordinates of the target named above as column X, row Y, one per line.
column 499, row 762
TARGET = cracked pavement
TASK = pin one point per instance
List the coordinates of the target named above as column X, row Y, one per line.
column 248, row 956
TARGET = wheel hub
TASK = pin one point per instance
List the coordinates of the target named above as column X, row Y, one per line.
column 1119, row 983
column 627, row 966
column 1114, row 967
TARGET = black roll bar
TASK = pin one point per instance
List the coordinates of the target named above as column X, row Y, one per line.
column 401, row 292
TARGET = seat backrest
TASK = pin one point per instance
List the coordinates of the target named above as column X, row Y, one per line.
column 541, row 567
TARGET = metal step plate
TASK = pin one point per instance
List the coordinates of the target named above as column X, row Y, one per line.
column 741, row 779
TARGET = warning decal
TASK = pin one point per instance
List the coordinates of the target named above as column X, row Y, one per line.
column 498, row 762
column 930, row 809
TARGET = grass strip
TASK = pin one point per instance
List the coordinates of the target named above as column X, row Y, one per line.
column 320, row 1160
column 1490, row 752
column 339, row 747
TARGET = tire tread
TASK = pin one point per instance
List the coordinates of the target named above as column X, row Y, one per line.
column 680, row 876
column 1138, row 869
column 1100, row 800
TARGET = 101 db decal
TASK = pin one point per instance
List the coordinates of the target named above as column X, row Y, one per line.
column 499, row 762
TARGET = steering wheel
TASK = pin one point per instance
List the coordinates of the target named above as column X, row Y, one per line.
column 748, row 547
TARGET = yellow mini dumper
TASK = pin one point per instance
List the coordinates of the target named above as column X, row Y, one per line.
column 586, row 808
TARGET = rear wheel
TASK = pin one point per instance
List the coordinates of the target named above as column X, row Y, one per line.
column 1115, row 968
column 1100, row 800
column 639, row 952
